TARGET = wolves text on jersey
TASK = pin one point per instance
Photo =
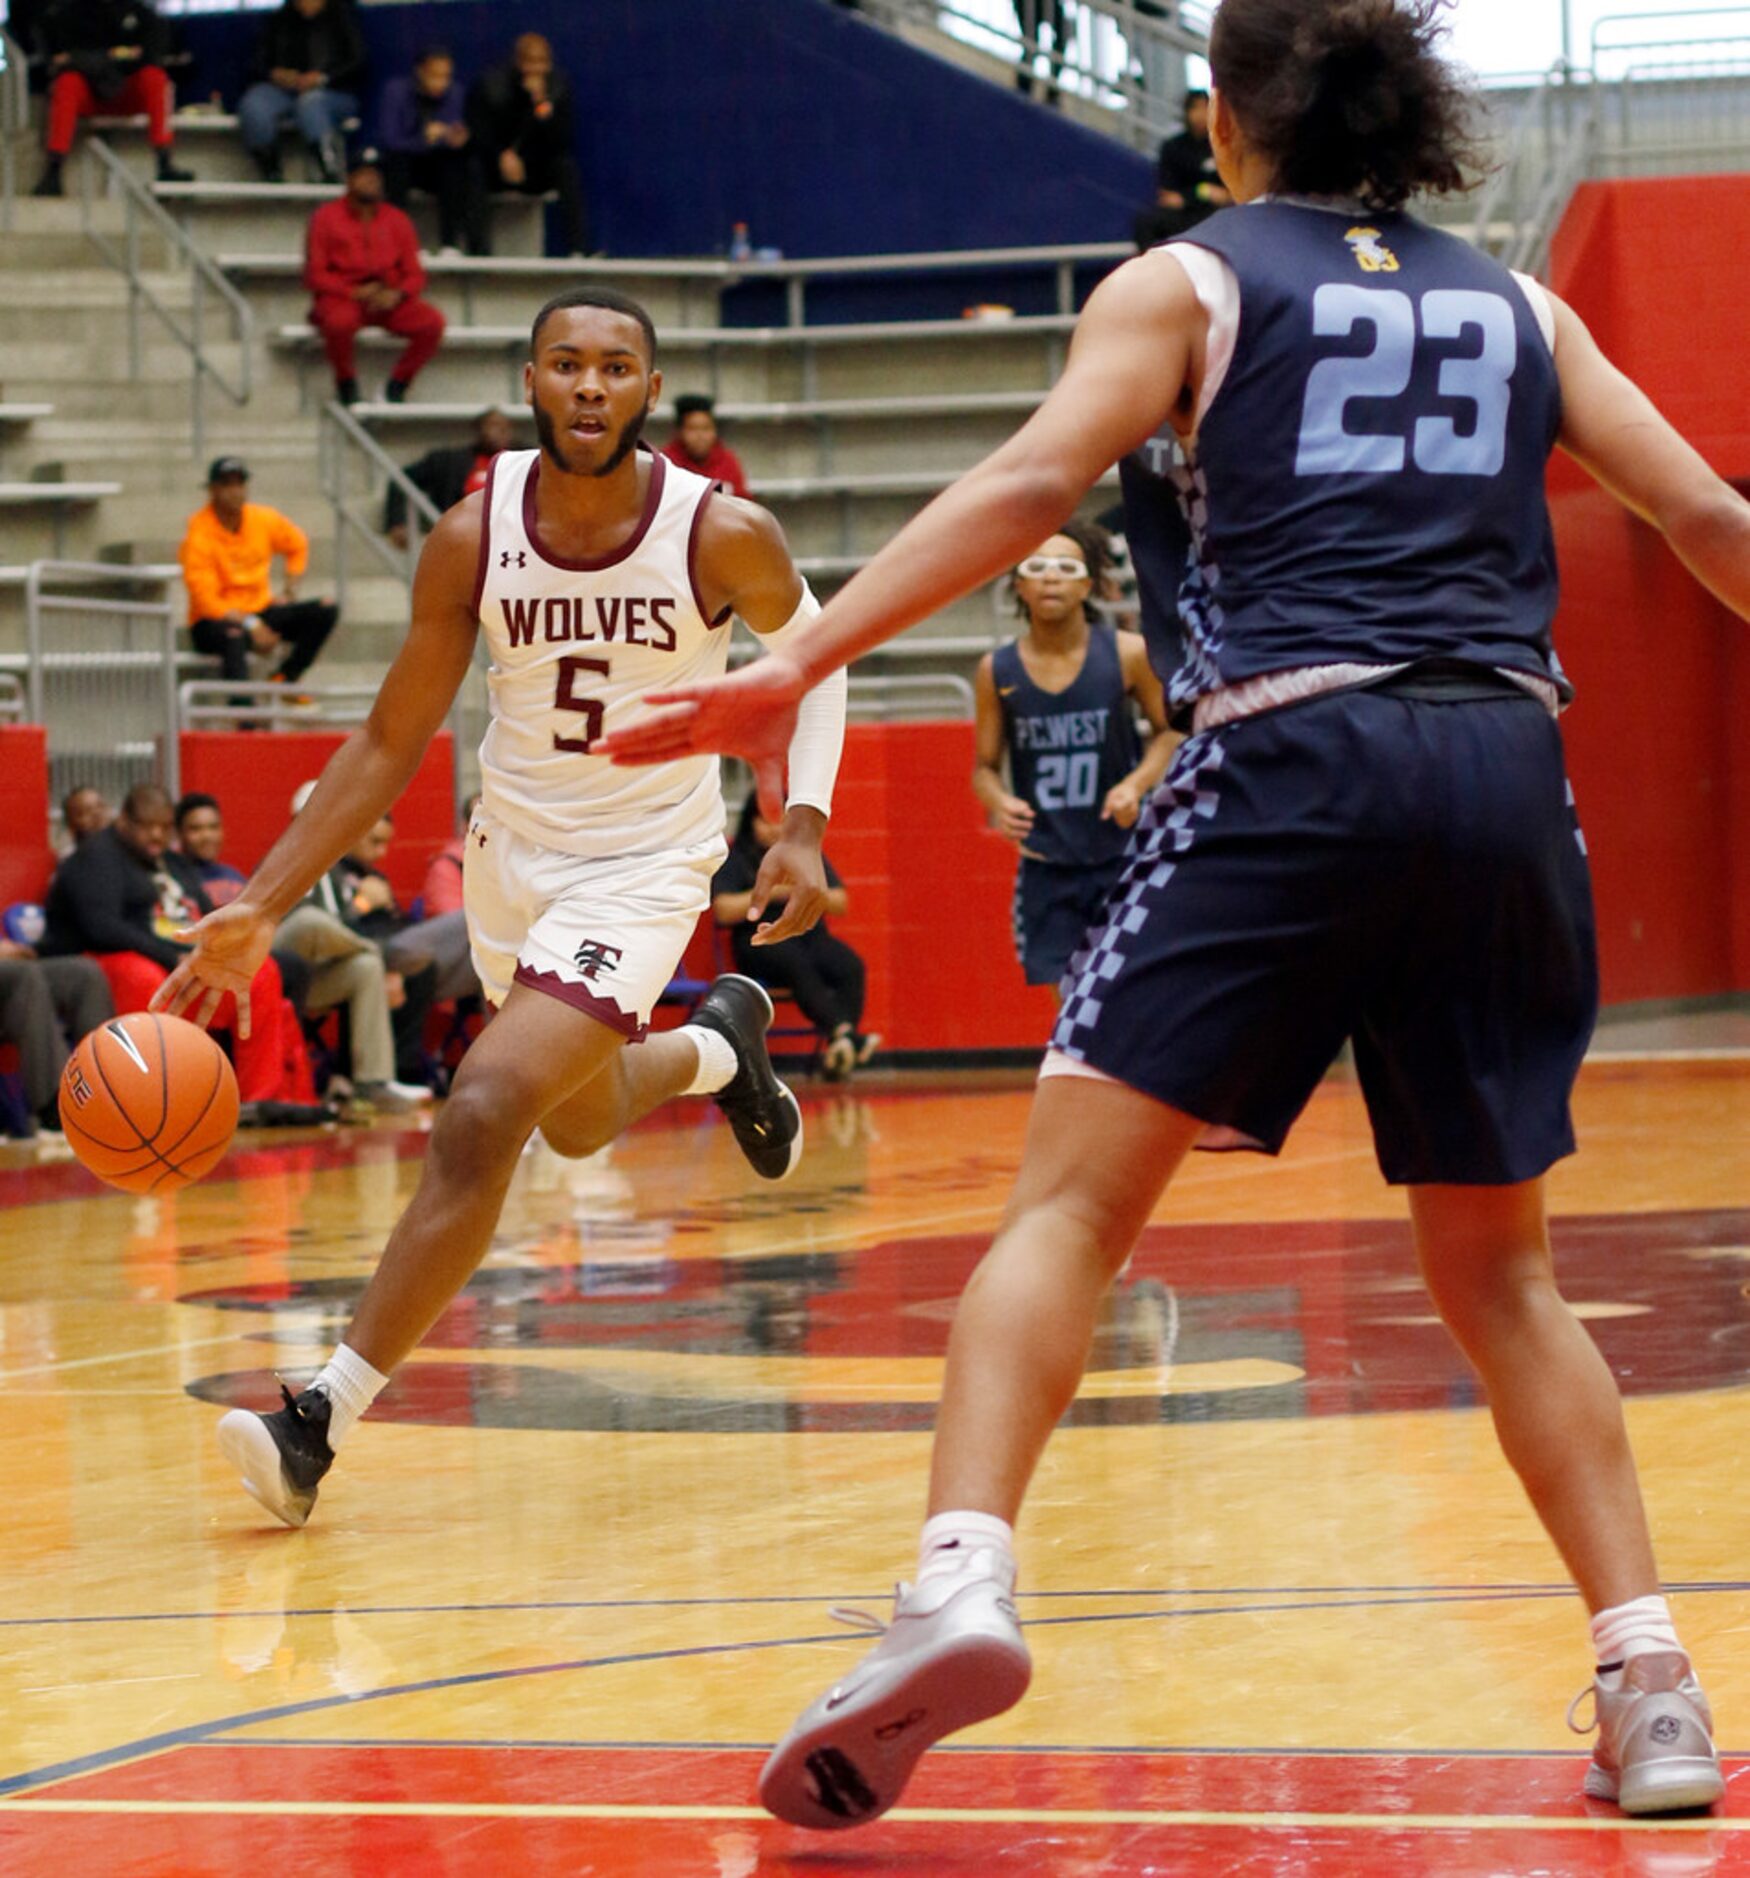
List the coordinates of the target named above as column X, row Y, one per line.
column 563, row 619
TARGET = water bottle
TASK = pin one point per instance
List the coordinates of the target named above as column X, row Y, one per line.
column 740, row 248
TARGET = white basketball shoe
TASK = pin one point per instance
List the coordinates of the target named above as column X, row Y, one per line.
column 1655, row 1751
column 953, row 1655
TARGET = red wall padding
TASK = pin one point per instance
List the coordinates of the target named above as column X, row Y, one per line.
column 253, row 774
column 1660, row 271
column 26, row 860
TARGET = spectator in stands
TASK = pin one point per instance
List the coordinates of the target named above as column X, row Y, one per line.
column 83, row 813
column 309, row 68
column 104, row 56
column 361, row 262
column 424, row 140
column 347, row 972
column 1187, row 188
column 408, row 944
column 449, row 473
column 227, row 556
column 824, row 974
column 521, row 116
column 43, row 1003
column 698, row 445
column 442, row 892
column 200, row 839
column 1034, row 17
column 122, row 895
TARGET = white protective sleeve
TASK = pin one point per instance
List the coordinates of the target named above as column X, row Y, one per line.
column 819, row 741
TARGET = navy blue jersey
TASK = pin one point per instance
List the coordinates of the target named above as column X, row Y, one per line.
column 1067, row 749
column 1367, row 483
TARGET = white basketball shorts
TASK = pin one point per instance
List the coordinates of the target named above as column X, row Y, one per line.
column 602, row 935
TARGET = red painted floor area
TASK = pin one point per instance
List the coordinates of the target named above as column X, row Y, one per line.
column 1552, row 1831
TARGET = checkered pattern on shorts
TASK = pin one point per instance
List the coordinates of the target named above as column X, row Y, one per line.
column 1166, row 829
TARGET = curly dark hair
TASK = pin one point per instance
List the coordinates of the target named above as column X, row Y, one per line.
column 1096, row 548
column 1347, row 97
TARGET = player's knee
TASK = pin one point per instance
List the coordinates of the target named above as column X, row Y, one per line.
column 483, row 1125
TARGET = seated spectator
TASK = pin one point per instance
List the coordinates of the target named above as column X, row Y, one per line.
column 698, row 445
column 442, row 891
column 409, row 945
column 449, row 473
column 121, row 895
column 200, row 838
column 521, row 117
column 310, row 69
column 824, row 974
column 361, row 262
column 43, row 1004
column 227, row 556
column 104, row 56
column 424, row 141
column 83, row 813
column 1188, row 188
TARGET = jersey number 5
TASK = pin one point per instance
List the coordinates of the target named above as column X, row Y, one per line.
column 1329, row 448
column 565, row 698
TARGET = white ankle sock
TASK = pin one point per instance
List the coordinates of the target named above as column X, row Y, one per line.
column 718, row 1062
column 950, row 1540
column 351, row 1386
column 1633, row 1629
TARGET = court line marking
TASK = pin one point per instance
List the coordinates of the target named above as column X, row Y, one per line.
column 198, row 1733
column 915, row 1815
column 116, row 1356
column 1340, row 1597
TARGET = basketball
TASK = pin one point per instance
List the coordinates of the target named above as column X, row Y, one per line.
column 149, row 1103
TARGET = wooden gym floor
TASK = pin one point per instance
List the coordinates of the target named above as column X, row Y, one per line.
column 1289, row 1612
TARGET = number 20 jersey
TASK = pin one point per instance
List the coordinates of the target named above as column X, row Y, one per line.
column 1367, row 484
column 575, row 648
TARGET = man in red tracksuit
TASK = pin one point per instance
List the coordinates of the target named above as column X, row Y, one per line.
column 104, row 55
column 361, row 262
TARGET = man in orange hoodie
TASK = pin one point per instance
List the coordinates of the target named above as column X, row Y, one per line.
column 227, row 565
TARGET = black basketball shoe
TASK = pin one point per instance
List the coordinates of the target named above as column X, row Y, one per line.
column 283, row 1456
column 764, row 1114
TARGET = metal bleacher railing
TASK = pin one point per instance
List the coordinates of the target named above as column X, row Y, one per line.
column 142, row 217
column 1661, row 93
column 14, row 121
column 100, row 672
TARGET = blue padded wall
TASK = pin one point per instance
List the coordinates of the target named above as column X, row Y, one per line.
column 824, row 134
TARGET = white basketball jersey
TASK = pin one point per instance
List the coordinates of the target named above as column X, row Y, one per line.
column 576, row 645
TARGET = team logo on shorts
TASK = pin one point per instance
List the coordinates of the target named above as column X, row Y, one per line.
column 592, row 957
column 1372, row 253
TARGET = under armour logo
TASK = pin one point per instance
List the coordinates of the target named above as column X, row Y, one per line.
column 480, row 837
column 592, row 957
column 522, row 560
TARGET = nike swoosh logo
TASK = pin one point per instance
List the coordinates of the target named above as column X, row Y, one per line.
column 1006, row 691
column 840, row 1696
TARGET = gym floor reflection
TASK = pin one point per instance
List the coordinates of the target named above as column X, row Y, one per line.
column 1290, row 1614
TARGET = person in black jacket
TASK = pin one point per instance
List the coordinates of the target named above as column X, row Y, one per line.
column 824, row 975
column 104, row 56
column 447, row 475
column 122, row 895
column 1187, row 188
column 310, row 67
column 520, row 117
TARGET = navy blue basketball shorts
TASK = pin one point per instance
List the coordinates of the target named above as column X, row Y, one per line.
column 1404, row 873
column 1055, row 910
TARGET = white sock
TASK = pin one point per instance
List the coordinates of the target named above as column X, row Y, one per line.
column 951, row 1541
column 718, row 1062
column 351, row 1386
column 1634, row 1629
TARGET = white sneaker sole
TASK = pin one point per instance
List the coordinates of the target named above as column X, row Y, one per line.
column 861, row 1755
column 246, row 1444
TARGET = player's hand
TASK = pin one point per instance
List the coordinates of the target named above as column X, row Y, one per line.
column 794, row 872
column 230, row 947
column 1122, row 805
column 750, row 714
column 1013, row 819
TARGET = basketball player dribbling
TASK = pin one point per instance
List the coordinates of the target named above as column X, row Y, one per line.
column 597, row 571
column 1369, row 836
column 1059, row 703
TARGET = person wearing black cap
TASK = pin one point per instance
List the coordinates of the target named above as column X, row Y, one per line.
column 698, row 446
column 227, row 560
column 361, row 264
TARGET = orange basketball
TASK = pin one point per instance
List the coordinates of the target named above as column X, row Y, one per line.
column 149, row 1103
